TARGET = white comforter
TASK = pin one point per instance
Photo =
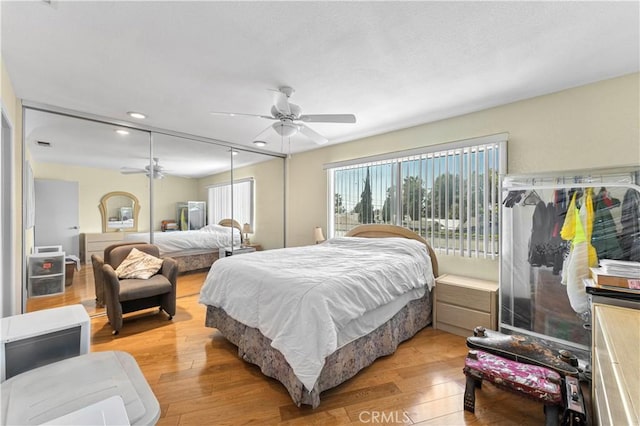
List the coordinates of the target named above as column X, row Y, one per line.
column 301, row 297
column 210, row 237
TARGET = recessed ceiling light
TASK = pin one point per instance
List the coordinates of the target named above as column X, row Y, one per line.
column 259, row 143
column 233, row 152
column 122, row 132
column 138, row 115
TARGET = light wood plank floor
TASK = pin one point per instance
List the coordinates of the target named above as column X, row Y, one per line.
column 199, row 379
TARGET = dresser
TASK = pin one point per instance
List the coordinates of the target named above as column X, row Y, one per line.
column 462, row 303
column 96, row 243
column 615, row 364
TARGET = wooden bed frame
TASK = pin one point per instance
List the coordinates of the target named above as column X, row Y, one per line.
column 343, row 364
column 195, row 260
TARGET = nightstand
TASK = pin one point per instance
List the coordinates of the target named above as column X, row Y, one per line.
column 258, row 247
column 462, row 303
column 226, row 251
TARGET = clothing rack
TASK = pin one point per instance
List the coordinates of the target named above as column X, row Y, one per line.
column 528, row 292
column 625, row 177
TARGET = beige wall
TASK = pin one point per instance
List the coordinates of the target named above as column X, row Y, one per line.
column 94, row 183
column 593, row 126
column 269, row 199
column 12, row 108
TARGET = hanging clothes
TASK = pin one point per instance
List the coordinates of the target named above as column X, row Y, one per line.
column 540, row 235
column 559, row 248
column 577, row 228
column 630, row 220
column 605, row 234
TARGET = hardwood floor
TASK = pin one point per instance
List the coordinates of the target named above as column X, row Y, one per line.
column 199, row 379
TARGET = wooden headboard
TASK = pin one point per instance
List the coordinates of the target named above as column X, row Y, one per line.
column 232, row 223
column 379, row 230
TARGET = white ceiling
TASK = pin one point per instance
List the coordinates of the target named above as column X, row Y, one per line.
column 392, row 64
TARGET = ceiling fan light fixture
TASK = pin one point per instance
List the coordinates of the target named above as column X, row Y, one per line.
column 156, row 175
column 260, row 143
column 138, row 115
column 122, row 132
column 285, row 129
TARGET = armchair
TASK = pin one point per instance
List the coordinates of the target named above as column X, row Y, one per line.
column 98, row 276
column 127, row 295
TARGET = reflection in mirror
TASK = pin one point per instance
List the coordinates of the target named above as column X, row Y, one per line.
column 258, row 197
column 119, row 212
column 183, row 228
column 161, row 172
column 89, row 156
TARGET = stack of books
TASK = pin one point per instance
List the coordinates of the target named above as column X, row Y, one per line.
column 617, row 273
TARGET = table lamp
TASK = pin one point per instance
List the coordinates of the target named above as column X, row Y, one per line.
column 246, row 230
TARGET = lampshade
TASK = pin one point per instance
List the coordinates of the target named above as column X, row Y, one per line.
column 317, row 234
column 246, row 229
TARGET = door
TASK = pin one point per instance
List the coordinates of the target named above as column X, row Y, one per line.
column 56, row 217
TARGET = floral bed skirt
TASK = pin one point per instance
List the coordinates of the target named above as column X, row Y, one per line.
column 340, row 366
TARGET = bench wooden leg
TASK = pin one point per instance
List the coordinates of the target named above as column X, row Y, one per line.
column 551, row 415
column 470, row 393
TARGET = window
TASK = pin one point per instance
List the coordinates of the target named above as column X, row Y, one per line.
column 447, row 193
column 220, row 202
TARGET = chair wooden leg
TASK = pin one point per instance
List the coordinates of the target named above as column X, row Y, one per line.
column 470, row 394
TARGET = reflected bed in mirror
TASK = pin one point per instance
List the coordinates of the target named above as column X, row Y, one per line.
column 194, row 249
column 119, row 212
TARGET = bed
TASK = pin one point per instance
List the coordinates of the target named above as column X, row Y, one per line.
column 379, row 279
column 195, row 249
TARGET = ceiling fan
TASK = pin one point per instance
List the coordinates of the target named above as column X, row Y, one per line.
column 158, row 170
column 290, row 120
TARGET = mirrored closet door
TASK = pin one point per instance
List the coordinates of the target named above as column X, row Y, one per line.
column 139, row 185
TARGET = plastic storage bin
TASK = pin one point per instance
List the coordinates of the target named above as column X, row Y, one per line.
column 46, row 274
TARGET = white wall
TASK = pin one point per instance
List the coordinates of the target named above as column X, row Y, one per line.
column 11, row 287
column 95, row 183
column 592, row 126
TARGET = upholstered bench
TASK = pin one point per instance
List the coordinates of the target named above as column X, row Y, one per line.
column 531, row 381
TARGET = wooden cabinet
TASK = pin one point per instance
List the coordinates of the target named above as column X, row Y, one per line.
column 96, row 243
column 615, row 363
column 462, row 303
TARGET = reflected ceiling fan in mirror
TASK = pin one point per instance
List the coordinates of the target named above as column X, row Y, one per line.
column 158, row 170
column 290, row 120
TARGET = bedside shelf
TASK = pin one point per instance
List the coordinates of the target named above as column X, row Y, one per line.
column 462, row 303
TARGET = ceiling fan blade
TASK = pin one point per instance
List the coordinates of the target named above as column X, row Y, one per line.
column 233, row 114
column 328, row 118
column 127, row 171
column 312, row 134
column 282, row 103
column 263, row 134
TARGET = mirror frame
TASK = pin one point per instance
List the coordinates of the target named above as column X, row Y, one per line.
column 103, row 210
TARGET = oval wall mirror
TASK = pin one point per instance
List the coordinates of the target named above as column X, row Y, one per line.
column 119, row 212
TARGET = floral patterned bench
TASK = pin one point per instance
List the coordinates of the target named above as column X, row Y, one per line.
column 531, row 381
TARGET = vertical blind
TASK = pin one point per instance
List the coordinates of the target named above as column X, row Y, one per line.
column 220, row 204
column 447, row 193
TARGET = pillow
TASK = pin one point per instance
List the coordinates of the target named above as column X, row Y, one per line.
column 139, row 264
